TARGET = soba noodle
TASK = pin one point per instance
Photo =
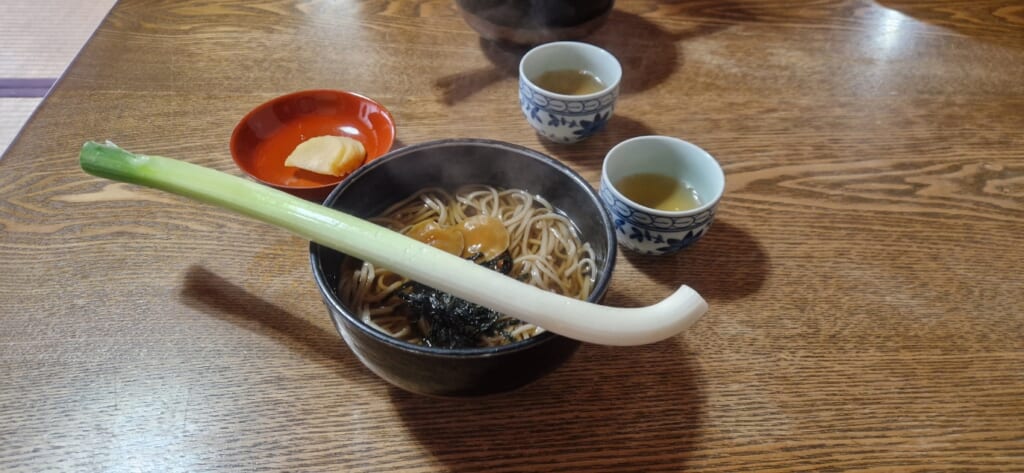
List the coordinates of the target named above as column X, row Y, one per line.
column 544, row 247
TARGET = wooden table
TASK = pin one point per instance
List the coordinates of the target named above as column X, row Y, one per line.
column 864, row 273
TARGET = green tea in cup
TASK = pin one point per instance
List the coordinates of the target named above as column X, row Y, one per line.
column 569, row 82
column 659, row 192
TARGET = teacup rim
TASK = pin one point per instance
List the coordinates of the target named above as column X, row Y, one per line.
column 709, row 205
column 609, row 89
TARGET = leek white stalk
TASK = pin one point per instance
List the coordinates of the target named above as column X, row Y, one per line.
column 566, row 316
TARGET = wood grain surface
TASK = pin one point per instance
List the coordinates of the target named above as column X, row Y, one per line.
column 864, row 270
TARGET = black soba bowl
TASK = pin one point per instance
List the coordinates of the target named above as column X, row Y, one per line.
column 448, row 164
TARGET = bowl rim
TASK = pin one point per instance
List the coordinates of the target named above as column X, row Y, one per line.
column 596, row 294
column 236, row 132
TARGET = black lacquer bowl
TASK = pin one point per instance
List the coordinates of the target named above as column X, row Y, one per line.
column 449, row 164
column 532, row 22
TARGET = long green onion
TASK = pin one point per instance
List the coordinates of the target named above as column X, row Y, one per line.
column 417, row 261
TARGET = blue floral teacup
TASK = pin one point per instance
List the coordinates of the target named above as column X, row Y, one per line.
column 562, row 117
column 662, row 193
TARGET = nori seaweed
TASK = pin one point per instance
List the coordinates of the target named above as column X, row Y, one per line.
column 455, row 322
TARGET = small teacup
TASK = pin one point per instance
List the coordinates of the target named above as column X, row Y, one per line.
column 561, row 117
column 650, row 230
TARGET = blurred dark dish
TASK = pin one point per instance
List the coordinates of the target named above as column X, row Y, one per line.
column 448, row 164
column 531, row 22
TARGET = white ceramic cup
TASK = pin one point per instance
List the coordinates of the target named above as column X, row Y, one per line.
column 652, row 231
column 568, row 118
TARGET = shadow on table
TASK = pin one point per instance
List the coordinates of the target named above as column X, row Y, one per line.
column 648, row 54
column 623, row 408
column 218, row 297
column 504, row 61
column 726, row 264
